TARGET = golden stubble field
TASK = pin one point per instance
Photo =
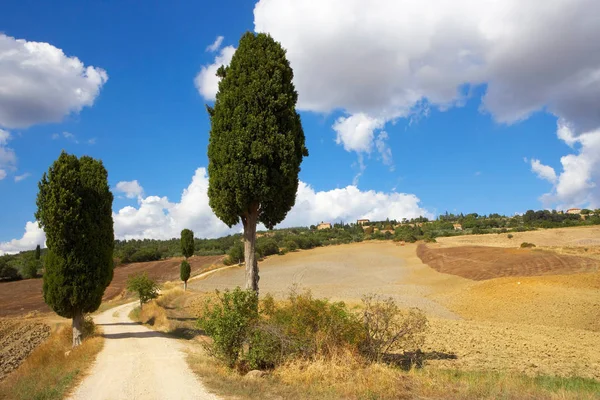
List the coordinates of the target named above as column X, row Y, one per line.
column 536, row 325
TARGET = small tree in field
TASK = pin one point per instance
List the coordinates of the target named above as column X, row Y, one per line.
column 184, row 273
column 256, row 142
column 145, row 288
column 75, row 210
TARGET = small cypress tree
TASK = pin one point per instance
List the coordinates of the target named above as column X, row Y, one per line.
column 256, row 142
column 74, row 207
column 187, row 243
column 38, row 252
column 184, row 273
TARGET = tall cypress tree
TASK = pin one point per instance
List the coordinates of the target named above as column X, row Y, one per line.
column 187, row 243
column 187, row 249
column 38, row 252
column 256, row 142
column 75, row 210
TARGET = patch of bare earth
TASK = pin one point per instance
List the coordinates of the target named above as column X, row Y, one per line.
column 481, row 263
column 524, row 348
column 18, row 338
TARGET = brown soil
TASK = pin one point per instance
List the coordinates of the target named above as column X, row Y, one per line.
column 530, row 349
column 481, row 263
column 18, row 338
column 25, row 296
column 569, row 301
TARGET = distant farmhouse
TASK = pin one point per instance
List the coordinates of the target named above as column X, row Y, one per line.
column 362, row 221
column 324, row 225
column 457, row 227
column 574, row 211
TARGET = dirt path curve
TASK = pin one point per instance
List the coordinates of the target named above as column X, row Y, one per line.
column 138, row 363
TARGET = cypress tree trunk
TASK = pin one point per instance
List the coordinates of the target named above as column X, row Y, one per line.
column 77, row 328
column 249, row 243
column 184, row 286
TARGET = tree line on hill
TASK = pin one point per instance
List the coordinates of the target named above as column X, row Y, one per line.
column 281, row 241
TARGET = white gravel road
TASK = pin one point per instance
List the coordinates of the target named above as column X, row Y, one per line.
column 138, row 363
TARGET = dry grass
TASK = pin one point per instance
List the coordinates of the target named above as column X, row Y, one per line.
column 347, row 377
column 154, row 312
column 48, row 373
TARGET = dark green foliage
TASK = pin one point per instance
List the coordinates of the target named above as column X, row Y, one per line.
column 510, row 236
column 185, row 270
column 30, row 269
column 145, row 288
column 7, row 271
column 75, row 209
column 256, row 139
column 187, row 243
column 229, row 322
column 526, row 245
column 132, row 255
column 38, row 252
column 150, row 250
column 266, row 247
column 290, row 245
column 235, row 254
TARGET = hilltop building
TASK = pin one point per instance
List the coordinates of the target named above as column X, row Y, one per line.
column 457, row 227
column 362, row 222
column 324, row 225
column 574, row 211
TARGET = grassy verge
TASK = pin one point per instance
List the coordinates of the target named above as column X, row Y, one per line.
column 346, row 378
column 49, row 373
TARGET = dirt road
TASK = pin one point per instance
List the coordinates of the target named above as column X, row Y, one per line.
column 138, row 363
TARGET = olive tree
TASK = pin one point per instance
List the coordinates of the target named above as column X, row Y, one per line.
column 256, row 142
column 74, row 207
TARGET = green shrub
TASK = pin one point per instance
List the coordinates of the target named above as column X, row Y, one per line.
column 145, row 288
column 235, row 254
column 526, row 245
column 229, row 322
column 266, row 247
column 30, row 269
column 7, row 271
column 510, row 236
column 389, row 329
column 314, row 326
column 290, row 245
column 245, row 336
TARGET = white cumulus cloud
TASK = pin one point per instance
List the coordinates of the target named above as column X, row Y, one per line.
column 216, row 44
column 131, row 189
column 577, row 185
column 41, row 84
column 157, row 217
column 389, row 59
column 19, row 178
column 207, row 81
column 33, row 236
column 543, row 171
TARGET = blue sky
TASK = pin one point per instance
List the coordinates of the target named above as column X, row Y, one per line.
column 455, row 139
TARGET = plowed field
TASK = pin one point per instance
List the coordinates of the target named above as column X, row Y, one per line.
column 480, row 263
